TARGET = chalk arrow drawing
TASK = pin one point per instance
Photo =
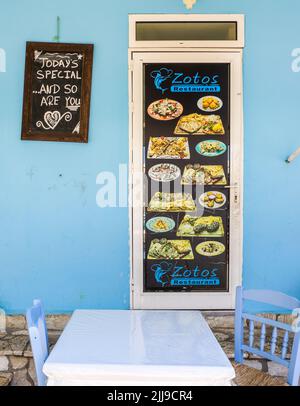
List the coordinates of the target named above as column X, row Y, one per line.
column 37, row 54
column 77, row 129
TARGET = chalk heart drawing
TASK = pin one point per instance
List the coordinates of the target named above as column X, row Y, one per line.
column 52, row 119
column 189, row 3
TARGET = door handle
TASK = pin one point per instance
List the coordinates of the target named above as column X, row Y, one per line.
column 235, row 187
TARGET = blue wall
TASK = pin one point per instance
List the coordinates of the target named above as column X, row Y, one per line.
column 55, row 243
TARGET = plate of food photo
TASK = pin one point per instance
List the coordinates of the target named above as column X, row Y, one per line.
column 211, row 148
column 210, row 103
column 200, row 124
column 172, row 202
column 197, row 174
column 164, row 172
column 165, row 109
column 210, row 248
column 160, row 224
column 212, row 200
column 168, row 148
column 170, row 249
column 204, row 226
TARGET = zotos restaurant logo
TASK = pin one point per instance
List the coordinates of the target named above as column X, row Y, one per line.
column 177, row 82
column 168, row 274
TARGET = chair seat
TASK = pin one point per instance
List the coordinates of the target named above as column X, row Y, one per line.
column 247, row 376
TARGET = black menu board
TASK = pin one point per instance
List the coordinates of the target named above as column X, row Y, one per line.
column 57, row 92
column 186, row 161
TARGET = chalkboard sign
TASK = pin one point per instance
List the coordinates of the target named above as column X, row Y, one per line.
column 57, row 91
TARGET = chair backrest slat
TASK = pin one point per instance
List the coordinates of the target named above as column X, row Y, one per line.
column 251, row 333
column 38, row 335
column 274, row 340
column 285, row 344
column 269, row 322
column 262, row 337
column 273, row 298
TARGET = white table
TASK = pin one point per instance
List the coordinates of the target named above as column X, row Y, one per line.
column 139, row 347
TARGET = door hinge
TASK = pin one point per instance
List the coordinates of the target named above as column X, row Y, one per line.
column 131, row 106
column 130, row 65
column 132, row 287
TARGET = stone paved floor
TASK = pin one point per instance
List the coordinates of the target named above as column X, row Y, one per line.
column 16, row 364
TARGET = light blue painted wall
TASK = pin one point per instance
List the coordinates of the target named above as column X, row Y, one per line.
column 55, row 243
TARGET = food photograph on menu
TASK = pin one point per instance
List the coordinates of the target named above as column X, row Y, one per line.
column 163, row 201
column 187, row 164
column 199, row 124
column 168, row 148
column 203, row 175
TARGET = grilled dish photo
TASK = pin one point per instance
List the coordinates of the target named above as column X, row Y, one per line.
column 206, row 226
column 200, row 124
column 171, row 202
column 170, row 249
column 168, row 148
column 165, row 109
column 203, row 175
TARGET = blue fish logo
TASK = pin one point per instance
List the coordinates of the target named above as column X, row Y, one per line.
column 160, row 76
column 161, row 271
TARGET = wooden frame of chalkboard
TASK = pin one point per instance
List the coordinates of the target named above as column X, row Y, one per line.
column 57, row 91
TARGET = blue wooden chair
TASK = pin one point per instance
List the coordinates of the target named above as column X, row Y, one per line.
column 275, row 299
column 38, row 335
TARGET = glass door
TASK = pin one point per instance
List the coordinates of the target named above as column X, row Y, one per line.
column 189, row 194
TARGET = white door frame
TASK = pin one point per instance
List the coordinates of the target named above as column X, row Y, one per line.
column 163, row 18
column 186, row 300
